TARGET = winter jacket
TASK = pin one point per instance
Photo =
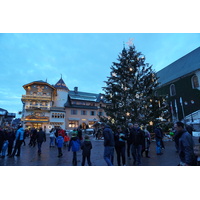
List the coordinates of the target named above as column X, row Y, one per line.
column 59, row 141
column 11, row 137
column 74, row 144
column 41, row 136
column 158, row 133
column 137, row 136
column 2, row 136
column 186, row 144
column 86, row 146
column 120, row 139
column 108, row 137
column 20, row 134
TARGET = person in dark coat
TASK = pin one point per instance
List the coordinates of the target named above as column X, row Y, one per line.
column 129, row 143
column 41, row 137
column 137, row 140
column 186, row 145
column 120, row 146
column 5, row 144
column 11, row 139
column 33, row 137
column 109, row 144
column 86, row 147
column 158, row 136
column 79, row 130
column 2, row 138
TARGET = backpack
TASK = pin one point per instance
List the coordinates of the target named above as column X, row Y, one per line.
column 75, row 145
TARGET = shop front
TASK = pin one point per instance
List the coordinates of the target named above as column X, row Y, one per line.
column 37, row 122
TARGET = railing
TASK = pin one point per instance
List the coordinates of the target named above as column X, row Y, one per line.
column 36, row 107
column 36, row 97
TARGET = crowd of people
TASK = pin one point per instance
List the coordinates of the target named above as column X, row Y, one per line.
column 132, row 142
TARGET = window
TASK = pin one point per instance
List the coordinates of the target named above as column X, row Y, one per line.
column 100, row 113
column 92, row 113
column 172, row 90
column 73, row 124
column 58, row 115
column 83, row 112
column 74, row 112
column 195, row 82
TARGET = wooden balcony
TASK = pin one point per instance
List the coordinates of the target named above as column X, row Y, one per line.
column 37, row 107
column 37, row 97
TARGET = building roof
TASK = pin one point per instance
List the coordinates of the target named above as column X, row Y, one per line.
column 83, row 96
column 38, row 82
column 181, row 67
column 61, row 85
column 3, row 111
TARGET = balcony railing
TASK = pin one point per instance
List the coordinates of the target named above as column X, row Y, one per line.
column 31, row 97
column 37, row 107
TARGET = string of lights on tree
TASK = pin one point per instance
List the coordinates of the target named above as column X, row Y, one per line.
column 130, row 91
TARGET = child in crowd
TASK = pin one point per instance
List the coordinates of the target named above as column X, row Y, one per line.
column 66, row 140
column 75, row 145
column 86, row 147
column 60, row 141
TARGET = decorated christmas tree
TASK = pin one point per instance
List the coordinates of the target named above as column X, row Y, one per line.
column 130, row 91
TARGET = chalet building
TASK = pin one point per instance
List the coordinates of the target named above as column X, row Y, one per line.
column 50, row 106
column 180, row 81
column 42, row 106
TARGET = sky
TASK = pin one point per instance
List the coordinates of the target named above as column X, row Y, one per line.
column 83, row 59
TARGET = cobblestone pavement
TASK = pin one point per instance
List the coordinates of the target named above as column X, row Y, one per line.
column 29, row 156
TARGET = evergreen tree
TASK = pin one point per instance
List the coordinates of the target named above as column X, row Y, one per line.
column 130, row 90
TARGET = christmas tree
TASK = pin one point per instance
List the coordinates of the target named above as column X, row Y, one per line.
column 130, row 92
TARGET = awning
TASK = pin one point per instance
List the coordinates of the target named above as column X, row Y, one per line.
column 74, row 119
column 56, row 123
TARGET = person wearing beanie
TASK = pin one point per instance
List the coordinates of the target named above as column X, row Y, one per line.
column 86, row 147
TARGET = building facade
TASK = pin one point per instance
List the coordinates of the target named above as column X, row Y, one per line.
column 40, row 107
column 180, row 81
column 83, row 109
column 6, row 118
column 50, row 106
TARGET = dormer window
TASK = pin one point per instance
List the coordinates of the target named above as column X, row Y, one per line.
column 195, row 82
column 172, row 90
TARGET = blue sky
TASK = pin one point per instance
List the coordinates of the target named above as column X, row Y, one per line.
column 83, row 59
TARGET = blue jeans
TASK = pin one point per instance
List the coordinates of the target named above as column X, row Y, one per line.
column 120, row 150
column 136, row 153
column 158, row 146
column 109, row 155
column 51, row 141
